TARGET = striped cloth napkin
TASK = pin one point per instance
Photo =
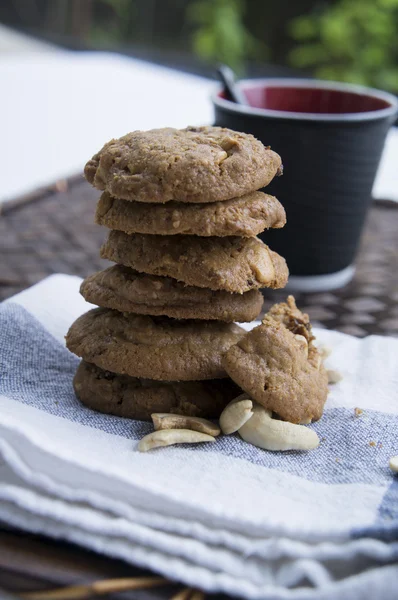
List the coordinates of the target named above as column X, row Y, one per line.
column 224, row 517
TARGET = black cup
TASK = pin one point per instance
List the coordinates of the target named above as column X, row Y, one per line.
column 330, row 137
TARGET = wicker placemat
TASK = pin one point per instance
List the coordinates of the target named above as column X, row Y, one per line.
column 54, row 232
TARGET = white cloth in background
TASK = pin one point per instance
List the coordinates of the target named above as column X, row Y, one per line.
column 62, row 106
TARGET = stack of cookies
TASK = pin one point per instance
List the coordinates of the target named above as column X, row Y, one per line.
column 184, row 213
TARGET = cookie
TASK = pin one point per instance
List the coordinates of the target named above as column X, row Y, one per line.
column 279, row 369
column 136, row 398
column 152, row 347
column 245, row 216
column 126, row 290
column 233, row 264
column 196, row 164
column 292, row 318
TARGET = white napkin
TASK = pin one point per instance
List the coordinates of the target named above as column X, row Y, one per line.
column 224, row 517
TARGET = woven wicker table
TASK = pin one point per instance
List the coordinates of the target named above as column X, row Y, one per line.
column 53, row 232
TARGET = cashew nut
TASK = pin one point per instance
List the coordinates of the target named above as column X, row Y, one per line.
column 334, row 376
column 318, row 362
column 172, row 421
column 168, row 437
column 271, row 434
column 235, row 414
column 325, row 351
column 303, row 341
column 394, row 464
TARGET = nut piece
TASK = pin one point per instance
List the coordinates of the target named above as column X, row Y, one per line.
column 334, row 376
column 172, row 421
column 317, row 361
column 270, row 434
column 235, row 414
column 324, row 351
column 394, row 464
column 303, row 341
column 168, row 437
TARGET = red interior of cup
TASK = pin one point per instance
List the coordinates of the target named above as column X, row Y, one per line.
column 310, row 100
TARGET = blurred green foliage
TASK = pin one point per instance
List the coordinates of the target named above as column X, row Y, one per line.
column 350, row 40
column 220, row 34
column 118, row 28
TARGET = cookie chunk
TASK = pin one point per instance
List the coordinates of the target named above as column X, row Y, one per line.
column 233, row 264
column 291, row 317
column 136, row 398
column 245, row 216
column 152, row 347
column 126, row 290
column 280, row 369
column 196, row 164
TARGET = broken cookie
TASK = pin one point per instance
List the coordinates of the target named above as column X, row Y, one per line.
column 281, row 369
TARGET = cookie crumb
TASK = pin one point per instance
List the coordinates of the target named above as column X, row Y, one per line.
column 394, row 464
column 325, row 351
column 61, row 185
column 334, row 376
column 358, row 412
column 373, row 444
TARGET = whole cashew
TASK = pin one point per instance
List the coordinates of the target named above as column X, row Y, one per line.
column 172, row 421
column 168, row 437
column 235, row 414
column 270, row 434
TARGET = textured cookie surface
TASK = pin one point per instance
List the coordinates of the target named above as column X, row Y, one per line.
column 292, row 318
column 278, row 368
column 245, row 216
column 138, row 398
column 233, row 264
column 196, row 164
column 126, row 290
column 152, row 347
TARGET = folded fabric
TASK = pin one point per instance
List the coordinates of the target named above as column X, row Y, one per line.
column 225, row 516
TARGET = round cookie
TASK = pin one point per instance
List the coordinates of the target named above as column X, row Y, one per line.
column 196, row 164
column 126, row 290
column 136, row 398
column 152, row 347
column 234, row 264
column 245, row 216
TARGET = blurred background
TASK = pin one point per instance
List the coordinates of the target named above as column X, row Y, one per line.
column 347, row 40
column 75, row 73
